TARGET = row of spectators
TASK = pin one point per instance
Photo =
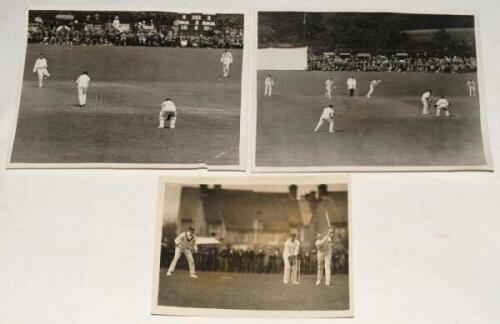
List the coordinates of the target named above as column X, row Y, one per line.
column 394, row 63
column 139, row 34
column 250, row 261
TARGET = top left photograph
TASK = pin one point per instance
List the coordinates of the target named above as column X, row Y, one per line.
column 129, row 89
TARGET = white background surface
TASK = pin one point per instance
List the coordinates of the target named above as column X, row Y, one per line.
column 76, row 246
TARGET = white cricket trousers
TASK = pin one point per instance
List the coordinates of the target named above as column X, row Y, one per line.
column 177, row 255
column 225, row 69
column 369, row 94
column 288, row 270
column 472, row 91
column 321, row 121
column 425, row 107
column 82, row 95
column 324, row 266
column 42, row 73
column 446, row 111
column 328, row 93
column 268, row 90
column 169, row 116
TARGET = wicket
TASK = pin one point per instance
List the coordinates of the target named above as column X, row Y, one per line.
column 98, row 101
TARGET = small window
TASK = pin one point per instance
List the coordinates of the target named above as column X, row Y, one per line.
column 209, row 18
column 184, row 17
column 195, row 27
column 184, row 27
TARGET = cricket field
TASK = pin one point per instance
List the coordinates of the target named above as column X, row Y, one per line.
column 133, row 82
column 251, row 292
column 385, row 130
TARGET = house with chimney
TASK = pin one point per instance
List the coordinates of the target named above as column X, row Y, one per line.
column 260, row 219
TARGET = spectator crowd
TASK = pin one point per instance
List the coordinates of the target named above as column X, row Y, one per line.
column 393, row 63
column 138, row 33
column 248, row 260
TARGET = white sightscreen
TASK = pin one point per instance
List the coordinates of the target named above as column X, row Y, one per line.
column 282, row 58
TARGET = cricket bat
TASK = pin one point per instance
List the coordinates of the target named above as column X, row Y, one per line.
column 328, row 219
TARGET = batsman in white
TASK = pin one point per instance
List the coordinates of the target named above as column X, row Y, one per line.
column 329, row 86
column 326, row 115
column 426, row 99
column 442, row 104
column 226, row 60
column 82, row 84
column 373, row 84
column 290, row 253
column 185, row 243
column 471, row 86
column 40, row 68
column 324, row 244
column 268, row 85
column 351, row 86
column 168, row 112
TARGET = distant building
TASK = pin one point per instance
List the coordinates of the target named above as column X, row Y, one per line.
column 193, row 24
column 249, row 218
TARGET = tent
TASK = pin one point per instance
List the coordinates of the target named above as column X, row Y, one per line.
column 205, row 240
column 65, row 17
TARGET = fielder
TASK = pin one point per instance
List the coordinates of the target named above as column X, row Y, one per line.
column 373, row 84
column 168, row 112
column 426, row 99
column 82, row 84
column 185, row 243
column 351, row 86
column 326, row 115
column 290, row 253
column 226, row 60
column 329, row 86
column 41, row 69
column 442, row 104
column 324, row 246
column 471, row 86
column 268, row 83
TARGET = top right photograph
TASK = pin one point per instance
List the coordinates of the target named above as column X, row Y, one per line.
column 349, row 91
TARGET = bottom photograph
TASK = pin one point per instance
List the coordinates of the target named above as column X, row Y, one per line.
column 265, row 247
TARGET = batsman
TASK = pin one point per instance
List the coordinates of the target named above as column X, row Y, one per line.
column 324, row 244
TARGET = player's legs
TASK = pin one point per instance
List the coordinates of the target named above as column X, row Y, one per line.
column 321, row 267
column 46, row 73
column 84, row 96
column 270, row 90
column 189, row 257
column 328, row 269
column 173, row 117
column 161, row 118
column 369, row 94
column 425, row 107
column 177, row 255
column 225, row 69
column 288, row 268
column 473, row 91
column 266, row 90
column 331, row 125
column 320, row 122
column 80, row 96
column 40, row 77
column 438, row 111
column 447, row 112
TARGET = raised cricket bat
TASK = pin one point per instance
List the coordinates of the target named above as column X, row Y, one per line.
column 328, row 219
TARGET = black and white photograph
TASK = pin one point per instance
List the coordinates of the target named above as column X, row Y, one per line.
column 369, row 91
column 254, row 249
column 131, row 88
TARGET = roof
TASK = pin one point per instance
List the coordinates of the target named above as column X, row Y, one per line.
column 238, row 209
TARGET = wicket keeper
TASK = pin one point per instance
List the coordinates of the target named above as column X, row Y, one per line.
column 290, row 255
column 168, row 112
